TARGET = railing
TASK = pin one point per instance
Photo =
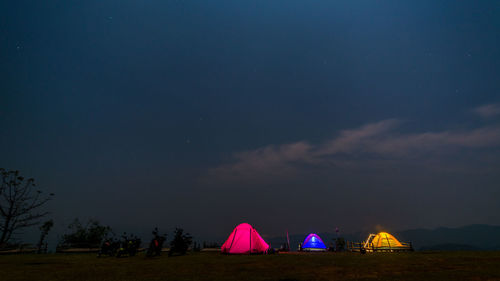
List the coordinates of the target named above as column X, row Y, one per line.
column 354, row 246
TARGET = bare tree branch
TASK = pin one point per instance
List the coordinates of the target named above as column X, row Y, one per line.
column 19, row 203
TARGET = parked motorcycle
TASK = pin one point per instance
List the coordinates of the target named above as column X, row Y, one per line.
column 109, row 247
column 156, row 244
column 129, row 246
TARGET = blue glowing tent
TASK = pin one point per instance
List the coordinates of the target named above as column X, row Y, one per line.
column 313, row 243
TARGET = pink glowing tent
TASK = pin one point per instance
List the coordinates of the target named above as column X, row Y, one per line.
column 244, row 240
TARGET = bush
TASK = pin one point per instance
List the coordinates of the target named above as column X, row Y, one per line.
column 181, row 242
column 88, row 236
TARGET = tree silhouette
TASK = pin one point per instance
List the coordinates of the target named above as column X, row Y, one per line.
column 85, row 236
column 181, row 242
column 20, row 202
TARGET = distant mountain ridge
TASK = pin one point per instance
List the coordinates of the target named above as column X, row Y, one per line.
column 481, row 236
column 450, row 247
column 470, row 237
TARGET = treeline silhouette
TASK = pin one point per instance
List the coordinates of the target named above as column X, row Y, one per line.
column 93, row 235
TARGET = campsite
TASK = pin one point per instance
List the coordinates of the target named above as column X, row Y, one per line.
column 293, row 266
column 245, row 255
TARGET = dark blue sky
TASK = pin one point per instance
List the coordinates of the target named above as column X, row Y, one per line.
column 299, row 115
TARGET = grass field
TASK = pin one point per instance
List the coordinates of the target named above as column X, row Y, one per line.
column 214, row 266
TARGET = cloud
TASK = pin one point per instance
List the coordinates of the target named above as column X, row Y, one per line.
column 372, row 140
column 488, row 110
column 353, row 140
column 267, row 161
column 436, row 141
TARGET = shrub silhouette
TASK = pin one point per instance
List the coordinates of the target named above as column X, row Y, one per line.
column 181, row 242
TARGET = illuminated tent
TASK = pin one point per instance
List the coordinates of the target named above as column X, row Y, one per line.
column 313, row 243
column 244, row 240
column 384, row 241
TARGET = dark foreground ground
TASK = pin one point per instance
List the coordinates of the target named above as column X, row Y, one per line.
column 213, row 266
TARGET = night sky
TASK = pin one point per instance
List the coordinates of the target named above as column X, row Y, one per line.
column 289, row 115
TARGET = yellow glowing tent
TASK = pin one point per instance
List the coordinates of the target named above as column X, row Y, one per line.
column 385, row 242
